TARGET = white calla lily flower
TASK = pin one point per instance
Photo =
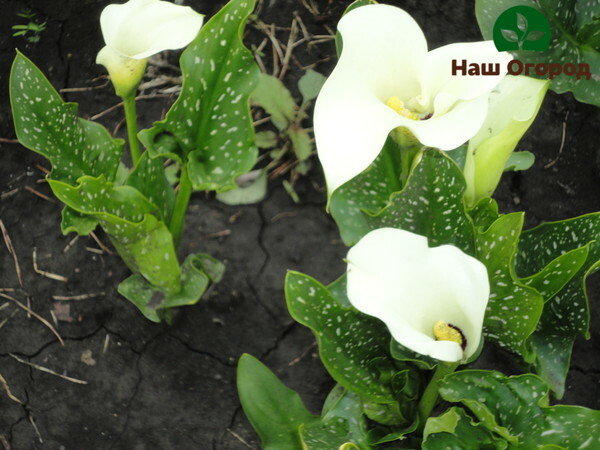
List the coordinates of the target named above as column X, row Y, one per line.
column 386, row 79
column 432, row 300
column 135, row 30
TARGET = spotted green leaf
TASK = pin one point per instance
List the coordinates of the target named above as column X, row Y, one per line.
column 149, row 178
column 567, row 252
column 517, row 409
column 431, row 204
column 50, row 127
column 275, row 411
column 574, row 24
column 351, row 344
column 342, row 404
column 197, row 271
column 210, row 127
column 366, row 193
column 334, row 435
column 455, row 430
column 47, row 125
column 133, row 223
column 513, row 309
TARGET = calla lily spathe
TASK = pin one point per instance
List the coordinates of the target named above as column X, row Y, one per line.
column 513, row 105
column 393, row 275
column 386, row 79
column 138, row 29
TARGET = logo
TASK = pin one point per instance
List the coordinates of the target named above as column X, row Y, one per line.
column 522, row 28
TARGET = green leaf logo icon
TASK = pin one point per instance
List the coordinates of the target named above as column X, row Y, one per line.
column 522, row 28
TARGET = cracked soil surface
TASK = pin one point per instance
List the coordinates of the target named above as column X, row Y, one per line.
column 158, row 386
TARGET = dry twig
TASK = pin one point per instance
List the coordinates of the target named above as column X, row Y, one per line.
column 7, row 390
column 562, row 142
column 44, row 273
column 34, row 314
column 11, row 250
column 46, row 370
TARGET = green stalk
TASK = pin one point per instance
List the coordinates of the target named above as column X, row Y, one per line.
column 410, row 148
column 181, row 204
column 430, row 395
column 131, row 119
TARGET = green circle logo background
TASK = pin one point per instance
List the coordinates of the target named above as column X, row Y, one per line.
column 522, row 28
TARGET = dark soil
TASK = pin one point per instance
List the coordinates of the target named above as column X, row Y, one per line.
column 153, row 386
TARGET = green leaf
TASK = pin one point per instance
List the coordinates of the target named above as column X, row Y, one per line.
column 514, row 309
column 266, row 139
column 272, row 95
column 517, row 409
column 50, row 127
column 560, row 256
column 574, row 25
column 310, row 85
column 344, row 404
column 275, row 411
column 149, row 178
column 519, row 161
column 454, row 430
column 349, row 342
column 289, row 188
column 209, row 127
column 342, row 424
column 196, row 273
column 484, row 213
column 301, row 142
column 133, row 224
column 252, row 188
column 73, row 221
column 369, row 191
column 431, row 204
column 401, row 353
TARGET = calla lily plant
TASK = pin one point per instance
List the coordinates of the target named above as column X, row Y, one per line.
column 432, row 300
column 386, row 80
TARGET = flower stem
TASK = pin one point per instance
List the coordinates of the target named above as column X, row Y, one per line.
column 131, row 119
column 430, row 395
column 410, row 149
column 181, row 203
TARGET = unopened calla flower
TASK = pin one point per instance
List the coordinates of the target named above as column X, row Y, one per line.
column 386, row 79
column 138, row 29
column 432, row 300
column 513, row 105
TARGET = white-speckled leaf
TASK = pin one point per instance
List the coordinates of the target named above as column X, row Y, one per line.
column 552, row 278
column 514, row 309
column 133, row 224
column 566, row 313
column 349, row 342
column 149, row 178
column 519, row 405
column 347, row 406
column 567, row 18
column 210, row 127
column 455, row 430
column 153, row 302
column 332, row 435
column 50, row 127
column 431, row 204
column 369, row 191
